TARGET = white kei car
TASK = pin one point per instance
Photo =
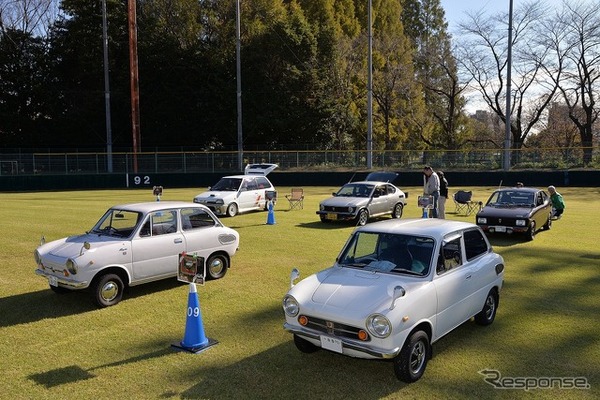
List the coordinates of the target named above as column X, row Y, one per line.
column 241, row 193
column 396, row 288
column 134, row 244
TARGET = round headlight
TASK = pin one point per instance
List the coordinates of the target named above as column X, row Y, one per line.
column 290, row 306
column 72, row 266
column 379, row 326
column 350, row 209
column 321, row 207
column 219, row 201
column 38, row 258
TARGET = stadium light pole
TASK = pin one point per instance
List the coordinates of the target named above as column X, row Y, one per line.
column 109, row 159
column 370, row 90
column 508, row 90
column 238, row 78
column 134, row 81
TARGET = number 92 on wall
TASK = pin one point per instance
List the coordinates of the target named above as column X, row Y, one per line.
column 134, row 180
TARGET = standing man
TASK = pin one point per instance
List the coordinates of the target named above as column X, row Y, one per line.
column 431, row 187
column 443, row 195
column 558, row 204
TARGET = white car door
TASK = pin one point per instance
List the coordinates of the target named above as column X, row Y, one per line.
column 157, row 246
column 249, row 195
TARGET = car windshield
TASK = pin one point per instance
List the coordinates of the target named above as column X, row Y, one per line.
column 356, row 190
column 118, row 223
column 227, row 185
column 511, row 198
column 387, row 252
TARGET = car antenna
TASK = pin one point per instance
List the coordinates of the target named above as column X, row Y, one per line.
column 500, row 184
column 352, row 177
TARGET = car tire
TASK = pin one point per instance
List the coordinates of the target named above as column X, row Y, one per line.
column 410, row 364
column 488, row 313
column 232, row 210
column 304, row 345
column 108, row 290
column 59, row 289
column 362, row 217
column 531, row 231
column 398, row 209
column 548, row 223
column 217, row 266
column 324, row 219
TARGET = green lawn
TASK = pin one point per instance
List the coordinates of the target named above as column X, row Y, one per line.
column 62, row 346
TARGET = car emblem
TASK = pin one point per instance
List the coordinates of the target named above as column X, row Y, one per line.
column 329, row 325
column 499, row 220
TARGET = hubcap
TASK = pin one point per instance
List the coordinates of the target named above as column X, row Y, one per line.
column 216, row 266
column 109, row 291
column 490, row 305
column 417, row 357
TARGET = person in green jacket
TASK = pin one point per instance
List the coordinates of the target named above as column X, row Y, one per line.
column 558, row 204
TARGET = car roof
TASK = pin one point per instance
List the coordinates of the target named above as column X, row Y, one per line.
column 432, row 227
column 382, row 176
column 519, row 189
column 367, row 183
column 152, row 206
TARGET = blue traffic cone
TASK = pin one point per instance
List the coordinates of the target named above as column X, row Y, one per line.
column 271, row 215
column 194, row 339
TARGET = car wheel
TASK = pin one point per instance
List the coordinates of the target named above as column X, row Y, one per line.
column 398, row 208
column 324, row 218
column 59, row 289
column 488, row 313
column 362, row 217
column 304, row 345
column 548, row 223
column 216, row 266
column 232, row 210
column 108, row 290
column 531, row 231
column 410, row 364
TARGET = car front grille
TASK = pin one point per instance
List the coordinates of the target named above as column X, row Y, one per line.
column 501, row 221
column 335, row 209
column 334, row 328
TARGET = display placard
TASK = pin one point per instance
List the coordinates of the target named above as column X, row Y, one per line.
column 425, row 201
column 191, row 269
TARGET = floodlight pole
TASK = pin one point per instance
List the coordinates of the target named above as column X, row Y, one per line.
column 134, row 81
column 109, row 159
column 370, row 90
column 238, row 65
column 508, row 90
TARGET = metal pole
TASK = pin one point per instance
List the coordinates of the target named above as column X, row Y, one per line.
column 134, row 81
column 109, row 159
column 238, row 78
column 370, row 92
column 508, row 91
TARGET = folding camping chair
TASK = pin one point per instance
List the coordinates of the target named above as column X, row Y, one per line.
column 464, row 203
column 296, row 198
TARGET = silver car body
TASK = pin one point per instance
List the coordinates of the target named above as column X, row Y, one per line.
column 240, row 193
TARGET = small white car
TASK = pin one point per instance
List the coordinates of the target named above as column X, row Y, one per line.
column 396, row 288
column 359, row 201
column 241, row 193
column 134, row 244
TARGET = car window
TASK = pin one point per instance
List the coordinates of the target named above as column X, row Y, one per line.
column 251, row 184
column 194, row 218
column 475, row 244
column 450, row 256
column 227, row 185
column 117, row 223
column 390, row 189
column 160, row 223
column 262, row 182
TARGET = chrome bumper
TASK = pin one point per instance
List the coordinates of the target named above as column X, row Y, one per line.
column 63, row 281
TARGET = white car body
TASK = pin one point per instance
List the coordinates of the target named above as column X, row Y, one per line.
column 136, row 244
column 451, row 274
column 241, row 193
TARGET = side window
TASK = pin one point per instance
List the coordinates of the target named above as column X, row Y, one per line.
column 252, row 185
column 194, row 218
column 160, row 223
column 390, row 189
column 262, row 182
column 450, row 256
column 475, row 244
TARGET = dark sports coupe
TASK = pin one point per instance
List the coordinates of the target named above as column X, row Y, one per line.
column 516, row 210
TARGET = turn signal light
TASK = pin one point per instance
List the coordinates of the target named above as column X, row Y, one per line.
column 303, row 320
column 363, row 335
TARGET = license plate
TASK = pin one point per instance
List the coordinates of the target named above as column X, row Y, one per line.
column 329, row 343
column 331, row 216
column 53, row 281
column 500, row 229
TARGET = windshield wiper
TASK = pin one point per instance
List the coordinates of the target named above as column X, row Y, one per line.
column 407, row 271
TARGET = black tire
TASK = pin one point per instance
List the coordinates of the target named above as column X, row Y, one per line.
column 398, row 209
column 324, row 218
column 108, row 290
column 410, row 364
column 59, row 289
column 548, row 223
column 216, row 266
column 304, row 345
column 362, row 217
column 531, row 231
column 488, row 313
column 232, row 210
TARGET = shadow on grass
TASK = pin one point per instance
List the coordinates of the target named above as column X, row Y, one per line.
column 36, row 306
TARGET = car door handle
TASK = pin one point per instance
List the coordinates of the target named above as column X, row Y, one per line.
column 468, row 277
column 178, row 240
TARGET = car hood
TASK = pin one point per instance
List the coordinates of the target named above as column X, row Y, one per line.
column 505, row 212
column 343, row 201
column 341, row 291
column 73, row 245
column 214, row 194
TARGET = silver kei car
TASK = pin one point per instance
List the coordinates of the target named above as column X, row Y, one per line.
column 134, row 244
column 359, row 201
column 396, row 288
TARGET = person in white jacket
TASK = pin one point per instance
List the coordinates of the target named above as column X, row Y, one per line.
column 431, row 187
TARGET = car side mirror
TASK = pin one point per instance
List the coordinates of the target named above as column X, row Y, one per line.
column 334, row 194
column 295, row 274
column 399, row 291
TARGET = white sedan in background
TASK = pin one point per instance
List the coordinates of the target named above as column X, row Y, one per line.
column 134, row 244
column 396, row 288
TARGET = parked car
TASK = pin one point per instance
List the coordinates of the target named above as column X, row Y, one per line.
column 359, row 201
column 134, row 244
column 397, row 287
column 516, row 210
column 241, row 193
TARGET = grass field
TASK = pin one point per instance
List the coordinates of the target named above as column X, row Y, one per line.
column 63, row 347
